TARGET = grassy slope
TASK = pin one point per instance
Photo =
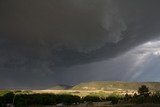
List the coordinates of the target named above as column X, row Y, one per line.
column 104, row 85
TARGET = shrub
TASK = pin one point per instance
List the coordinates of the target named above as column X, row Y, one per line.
column 0, row 101
column 91, row 99
column 113, row 99
column 127, row 97
column 8, row 98
column 67, row 99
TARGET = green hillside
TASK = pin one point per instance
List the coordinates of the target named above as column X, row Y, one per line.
column 105, row 85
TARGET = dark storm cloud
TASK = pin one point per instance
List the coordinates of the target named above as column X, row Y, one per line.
column 40, row 38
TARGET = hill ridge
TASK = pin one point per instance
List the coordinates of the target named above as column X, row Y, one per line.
column 114, row 85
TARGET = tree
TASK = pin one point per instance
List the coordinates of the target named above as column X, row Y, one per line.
column 89, row 98
column 143, row 91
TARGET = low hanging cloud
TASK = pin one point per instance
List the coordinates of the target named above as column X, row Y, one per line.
column 41, row 39
column 137, row 64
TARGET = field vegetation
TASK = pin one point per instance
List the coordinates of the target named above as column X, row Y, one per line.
column 142, row 97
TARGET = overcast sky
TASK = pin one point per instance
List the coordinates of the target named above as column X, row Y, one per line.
column 47, row 42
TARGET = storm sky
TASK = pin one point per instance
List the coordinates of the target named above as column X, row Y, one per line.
column 47, row 42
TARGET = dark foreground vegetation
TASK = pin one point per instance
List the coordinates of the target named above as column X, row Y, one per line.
column 25, row 98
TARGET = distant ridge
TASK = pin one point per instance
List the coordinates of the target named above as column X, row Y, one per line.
column 115, row 85
column 60, row 87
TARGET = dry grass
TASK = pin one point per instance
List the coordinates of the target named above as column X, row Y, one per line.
column 82, row 93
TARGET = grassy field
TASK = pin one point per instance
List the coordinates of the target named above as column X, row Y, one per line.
column 81, row 93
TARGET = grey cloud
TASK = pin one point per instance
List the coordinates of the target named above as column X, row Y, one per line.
column 83, row 25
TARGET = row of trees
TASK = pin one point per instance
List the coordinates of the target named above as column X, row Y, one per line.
column 26, row 100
